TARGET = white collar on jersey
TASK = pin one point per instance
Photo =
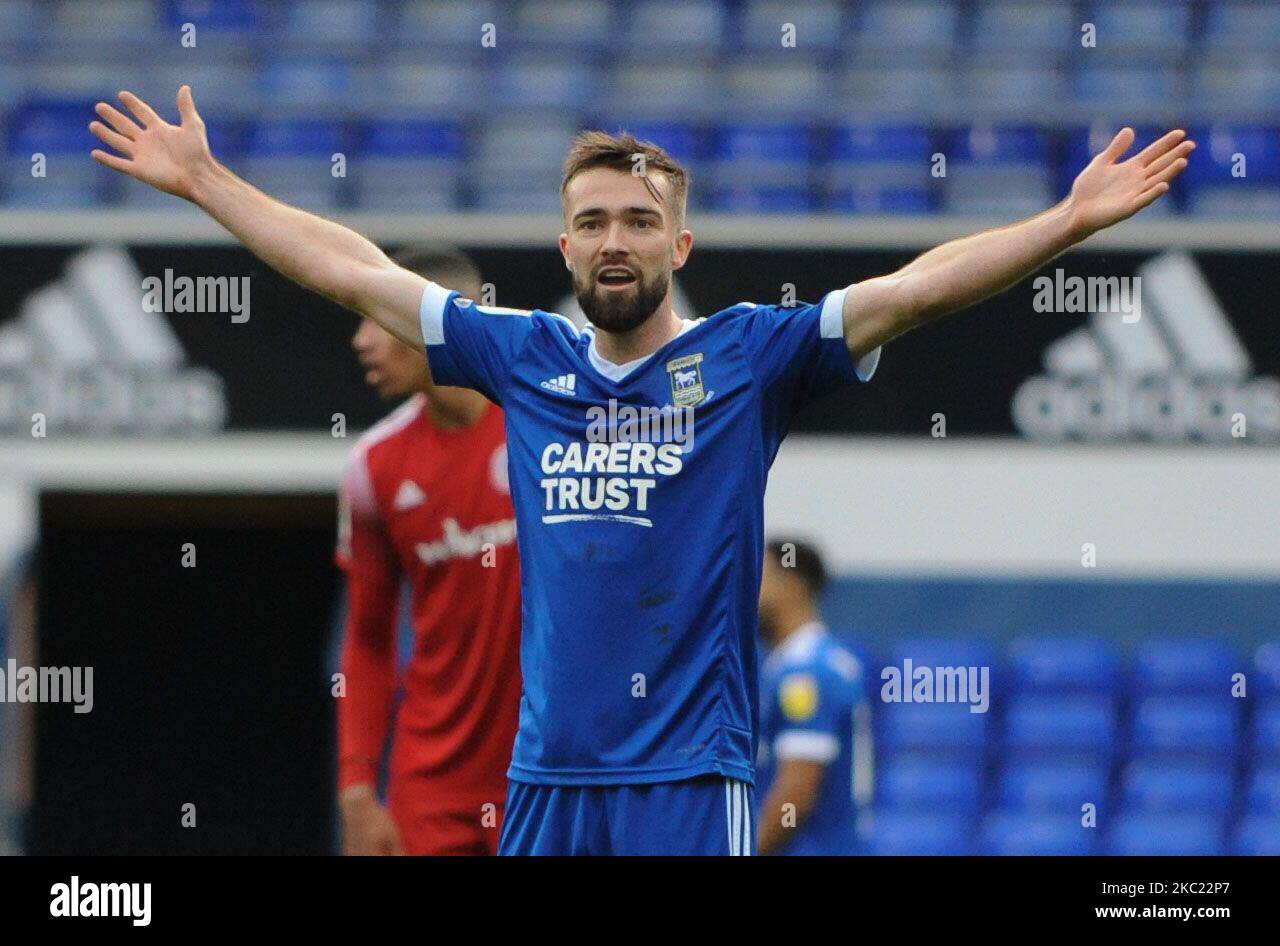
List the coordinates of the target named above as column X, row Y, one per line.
column 799, row 643
column 618, row 372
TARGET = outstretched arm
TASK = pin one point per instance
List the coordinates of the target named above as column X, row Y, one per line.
column 319, row 254
column 966, row 271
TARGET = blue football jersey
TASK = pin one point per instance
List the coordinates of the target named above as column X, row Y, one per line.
column 816, row 709
column 639, row 495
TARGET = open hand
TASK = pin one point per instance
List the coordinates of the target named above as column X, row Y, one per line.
column 168, row 157
column 1109, row 190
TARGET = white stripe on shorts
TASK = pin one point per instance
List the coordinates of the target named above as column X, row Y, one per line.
column 737, row 807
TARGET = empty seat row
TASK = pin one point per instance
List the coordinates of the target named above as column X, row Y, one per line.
column 774, row 86
column 923, row 784
column 1169, row 26
column 512, row 162
column 1023, row 833
column 1085, row 726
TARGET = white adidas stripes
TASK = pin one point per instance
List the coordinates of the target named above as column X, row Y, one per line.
column 737, row 805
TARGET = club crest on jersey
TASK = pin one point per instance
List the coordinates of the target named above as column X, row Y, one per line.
column 686, row 380
column 798, row 697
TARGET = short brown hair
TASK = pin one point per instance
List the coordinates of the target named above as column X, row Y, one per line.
column 599, row 149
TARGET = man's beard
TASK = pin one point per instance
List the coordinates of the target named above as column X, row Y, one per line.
column 619, row 311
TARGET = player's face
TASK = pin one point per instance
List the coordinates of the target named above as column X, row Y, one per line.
column 393, row 368
column 621, row 246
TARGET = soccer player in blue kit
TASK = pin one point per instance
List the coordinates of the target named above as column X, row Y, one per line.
column 816, row 760
column 638, row 454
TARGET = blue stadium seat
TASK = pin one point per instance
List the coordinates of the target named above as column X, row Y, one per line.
column 1146, row 27
column 907, row 26
column 672, row 89
column 881, row 169
column 456, row 24
column 790, row 84
column 322, row 84
column 819, row 24
column 1262, row 791
column 230, row 17
column 410, row 166
column 13, row 89
column 1213, row 185
column 1064, row 665
column 1240, row 84
column 1167, row 835
column 1184, row 665
column 677, row 24
column 120, row 24
column 917, row 784
column 943, row 651
column 888, row 90
column 1258, row 836
column 351, row 24
column 1050, row 786
column 1000, row 170
column 1116, row 87
column 410, row 87
column 900, row 834
column 23, row 23
column 1011, row 833
column 1266, row 731
column 762, row 168
column 1242, row 24
column 524, row 179
column 1205, row 727
column 1022, row 25
column 781, row 198
column 292, row 159
column 535, row 81
column 1265, row 679
column 1168, row 787
column 58, row 130
column 582, row 25
column 932, row 727
column 69, row 77
column 1004, row 87
column 1080, row 726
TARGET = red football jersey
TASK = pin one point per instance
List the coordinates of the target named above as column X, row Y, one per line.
column 432, row 505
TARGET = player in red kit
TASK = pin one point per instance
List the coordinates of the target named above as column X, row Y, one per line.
column 425, row 500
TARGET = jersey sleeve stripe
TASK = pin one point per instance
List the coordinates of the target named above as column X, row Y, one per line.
column 431, row 312
column 806, row 745
column 832, row 319
column 832, row 326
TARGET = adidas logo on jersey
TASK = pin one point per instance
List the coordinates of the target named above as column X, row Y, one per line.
column 565, row 384
column 409, row 496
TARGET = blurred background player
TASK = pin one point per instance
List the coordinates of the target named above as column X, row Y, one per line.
column 425, row 499
column 815, row 766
